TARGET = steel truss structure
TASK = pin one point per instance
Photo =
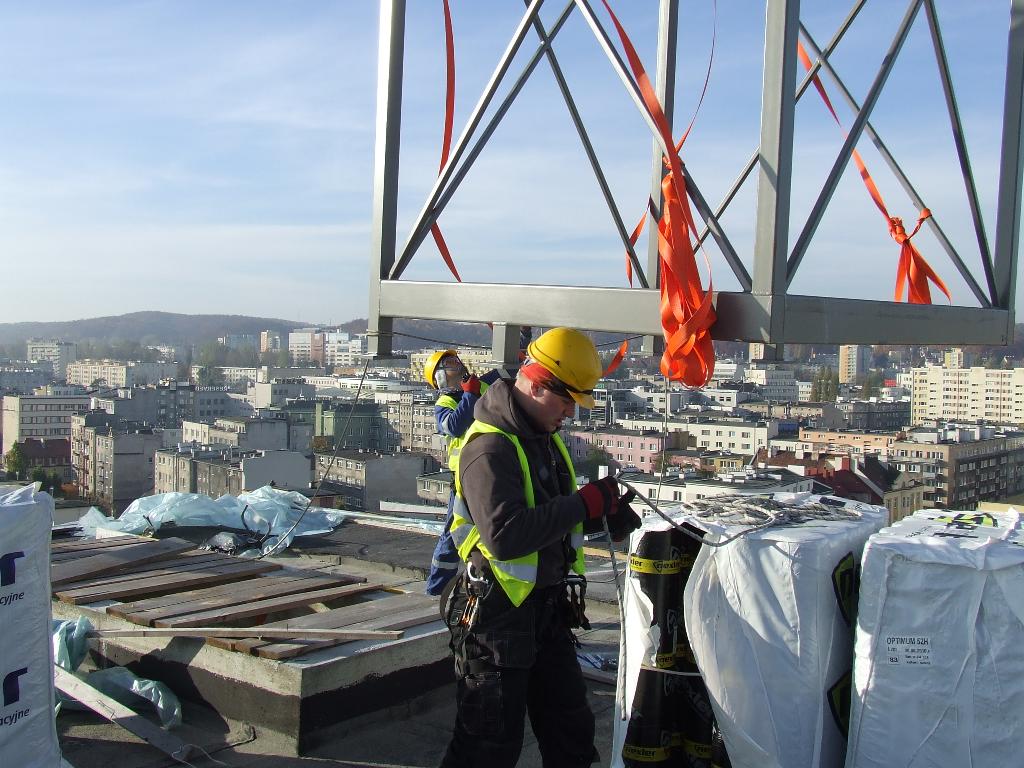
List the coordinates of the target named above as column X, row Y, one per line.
column 763, row 310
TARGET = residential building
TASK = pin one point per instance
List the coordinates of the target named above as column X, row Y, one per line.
column 280, row 391
column 52, row 455
column 848, row 441
column 721, row 433
column 270, row 341
column 675, row 490
column 215, row 471
column 168, row 404
column 875, row 414
column 435, row 487
column 729, row 370
column 776, row 383
column 975, row 394
column 958, row 358
column 238, row 340
column 115, row 373
column 43, row 415
column 817, row 415
column 24, row 378
column 54, row 351
column 306, row 345
column 244, row 434
column 413, row 419
column 962, row 465
column 854, row 362
column 376, row 477
column 624, row 447
column 113, row 458
column 612, row 404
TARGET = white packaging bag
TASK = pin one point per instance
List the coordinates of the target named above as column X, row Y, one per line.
column 939, row 654
column 28, row 735
column 769, row 617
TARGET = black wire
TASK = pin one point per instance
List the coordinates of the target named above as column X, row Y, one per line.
column 340, row 441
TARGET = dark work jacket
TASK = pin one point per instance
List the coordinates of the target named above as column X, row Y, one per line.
column 492, row 485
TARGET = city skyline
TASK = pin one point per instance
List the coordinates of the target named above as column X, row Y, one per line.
column 192, row 158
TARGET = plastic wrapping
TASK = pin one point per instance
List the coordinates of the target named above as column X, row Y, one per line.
column 767, row 618
column 28, row 736
column 939, row 662
column 121, row 684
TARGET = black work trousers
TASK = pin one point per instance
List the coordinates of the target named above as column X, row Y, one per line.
column 510, row 663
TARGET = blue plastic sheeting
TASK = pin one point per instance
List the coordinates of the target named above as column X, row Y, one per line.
column 266, row 511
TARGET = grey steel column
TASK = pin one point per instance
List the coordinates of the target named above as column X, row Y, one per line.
column 390, row 60
column 505, row 343
column 665, row 89
column 1008, row 213
column 775, row 159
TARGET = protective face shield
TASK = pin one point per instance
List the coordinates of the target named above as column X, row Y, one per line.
column 449, row 373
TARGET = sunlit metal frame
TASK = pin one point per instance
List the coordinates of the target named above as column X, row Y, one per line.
column 763, row 310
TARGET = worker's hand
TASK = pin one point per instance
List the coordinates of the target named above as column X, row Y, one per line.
column 600, row 497
column 623, row 520
column 471, row 384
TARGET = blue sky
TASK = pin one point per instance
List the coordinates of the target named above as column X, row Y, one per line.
column 216, row 157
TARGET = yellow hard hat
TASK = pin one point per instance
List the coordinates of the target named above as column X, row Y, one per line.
column 432, row 362
column 571, row 356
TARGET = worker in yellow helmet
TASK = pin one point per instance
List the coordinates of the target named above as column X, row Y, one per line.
column 518, row 525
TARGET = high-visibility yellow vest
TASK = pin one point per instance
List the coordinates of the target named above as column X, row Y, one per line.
column 519, row 575
column 455, row 443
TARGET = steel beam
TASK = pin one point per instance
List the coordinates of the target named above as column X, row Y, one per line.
column 665, row 88
column 741, row 316
column 505, row 343
column 1008, row 213
column 829, row 188
column 390, row 62
column 774, row 181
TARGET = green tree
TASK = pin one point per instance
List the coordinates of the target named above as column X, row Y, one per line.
column 56, row 482
column 596, row 457
column 15, row 462
column 816, row 387
column 39, row 476
column 873, row 384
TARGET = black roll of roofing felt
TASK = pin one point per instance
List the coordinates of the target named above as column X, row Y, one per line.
column 655, row 565
column 694, row 717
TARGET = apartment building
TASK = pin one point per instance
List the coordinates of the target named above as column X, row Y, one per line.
column 215, row 471
column 875, row 414
column 412, row 417
column 113, row 458
column 625, row 447
column 961, row 466
column 306, row 345
column 43, row 415
column 168, row 404
column 270, row 341
column 115, row 373
column 25, row 378
column 375, row 477
column 54, row 351
column 854, row 362
column 279, row 391
column 967, row 394
column 847, row 441
column 722, row 433
column 776, row 383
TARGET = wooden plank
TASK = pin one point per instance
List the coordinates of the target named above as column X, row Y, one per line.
column 174, row 598
column 217, row 574
column 334, row 619
column 253, row 590
column 116, row 559
column 118, row 713
column 162, row 568
column 260, row 607
column 397, row 621
column 84, row 545
column 341, row 635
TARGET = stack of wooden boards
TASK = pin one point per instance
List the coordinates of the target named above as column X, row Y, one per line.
column 168, row 583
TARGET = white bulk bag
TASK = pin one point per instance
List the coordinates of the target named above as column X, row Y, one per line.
column 28, row 736
column 939, row 655
column 769, row 617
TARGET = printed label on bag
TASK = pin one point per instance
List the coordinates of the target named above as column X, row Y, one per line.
column 909, row 650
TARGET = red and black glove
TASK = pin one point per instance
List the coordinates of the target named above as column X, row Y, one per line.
column 471, row 384
column 602, row 499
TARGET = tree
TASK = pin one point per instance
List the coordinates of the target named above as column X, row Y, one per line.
column 322, row 444
column 873, row 384
column 816, row 387
column 15, row 462
column 39, row 476
column 56, row 482
column 596, row 457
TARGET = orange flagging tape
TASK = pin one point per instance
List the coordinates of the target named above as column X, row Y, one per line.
column 913, row 271
column 686, row 310
column 449, row 119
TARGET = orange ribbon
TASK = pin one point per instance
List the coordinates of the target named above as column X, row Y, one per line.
column 449, row 119
column 686, row 310
column 912, row 271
